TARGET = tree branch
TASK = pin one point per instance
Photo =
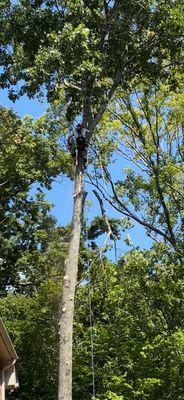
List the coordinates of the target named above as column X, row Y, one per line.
column 134, row 216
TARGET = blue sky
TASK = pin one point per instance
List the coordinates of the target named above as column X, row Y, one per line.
column 61, row 193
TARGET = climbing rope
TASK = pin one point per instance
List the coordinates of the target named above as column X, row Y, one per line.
column 91, row 334
column 89, row 264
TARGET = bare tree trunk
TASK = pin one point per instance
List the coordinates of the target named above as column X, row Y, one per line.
column 71, row 264
column 68, row 294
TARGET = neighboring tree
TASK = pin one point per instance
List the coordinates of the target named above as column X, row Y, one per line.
column 138, row 332
column 84, row 50
column 29, row 155
column 147, row 127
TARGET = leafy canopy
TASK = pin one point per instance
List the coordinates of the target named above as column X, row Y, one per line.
column 85, row 48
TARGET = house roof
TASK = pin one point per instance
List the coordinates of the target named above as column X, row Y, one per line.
column 7, row 351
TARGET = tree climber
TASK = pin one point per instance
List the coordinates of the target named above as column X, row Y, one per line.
column 71, row 145
column 77, row 146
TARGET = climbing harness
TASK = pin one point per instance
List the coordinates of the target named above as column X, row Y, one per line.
column 77, row 146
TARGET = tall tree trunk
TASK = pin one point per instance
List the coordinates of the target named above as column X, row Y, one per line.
column 68, row 293
column 71, row 264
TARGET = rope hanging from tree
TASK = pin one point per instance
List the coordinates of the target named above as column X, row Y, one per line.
column 90, row 289
column 89, row 264
column 91, row 334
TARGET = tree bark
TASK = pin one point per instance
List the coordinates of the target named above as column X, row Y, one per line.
column 68, row 293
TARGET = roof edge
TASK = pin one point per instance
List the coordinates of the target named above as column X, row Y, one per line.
column 8, row 341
